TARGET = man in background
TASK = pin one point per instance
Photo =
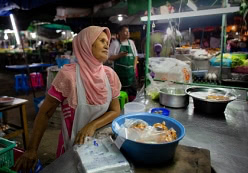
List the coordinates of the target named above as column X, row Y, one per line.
column 124, row 54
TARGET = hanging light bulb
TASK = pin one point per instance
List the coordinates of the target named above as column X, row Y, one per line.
column 33, row 35
column 5, row 36
column 120, row 17
column 153, row 25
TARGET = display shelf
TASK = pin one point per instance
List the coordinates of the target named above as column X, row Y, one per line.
column 223, row 11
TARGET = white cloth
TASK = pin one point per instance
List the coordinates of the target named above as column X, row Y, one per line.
column 84, row 113
column 114, row 48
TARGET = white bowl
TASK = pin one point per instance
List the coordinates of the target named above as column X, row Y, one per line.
column 134, row 107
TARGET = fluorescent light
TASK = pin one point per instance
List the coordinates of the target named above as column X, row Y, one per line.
column 8, row 31
column 15, row 29
column 191, row 5
column 192, row 13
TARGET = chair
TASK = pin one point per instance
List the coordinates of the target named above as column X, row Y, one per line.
column 123, row 99
column 21, row 82
column 36, row 80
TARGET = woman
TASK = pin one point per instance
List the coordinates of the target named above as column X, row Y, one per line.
column 88, row 93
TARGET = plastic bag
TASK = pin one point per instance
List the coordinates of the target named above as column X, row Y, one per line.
column 170, row 69
column 139, row 131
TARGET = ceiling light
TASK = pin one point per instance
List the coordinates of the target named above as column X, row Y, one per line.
column 33, row 35
column 234, row 28
column 192, row 13
column 15, row 29
column 192, row 5
column 120, row 17
column 5, row 36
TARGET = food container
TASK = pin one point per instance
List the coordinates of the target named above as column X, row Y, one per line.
column 205, row 104
column 149, row 154
column 173, row 97
column 161, row 111
column 134, row 107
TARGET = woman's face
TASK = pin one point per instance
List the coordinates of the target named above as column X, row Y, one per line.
column 100, row 47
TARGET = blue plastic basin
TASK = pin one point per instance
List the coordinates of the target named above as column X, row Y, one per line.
column 150, row 154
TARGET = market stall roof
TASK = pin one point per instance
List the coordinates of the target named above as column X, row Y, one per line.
column 101, row 11
column 26, row 11
column 53, row 26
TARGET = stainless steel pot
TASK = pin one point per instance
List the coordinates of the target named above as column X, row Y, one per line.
column 207, row 106
column 173, row 100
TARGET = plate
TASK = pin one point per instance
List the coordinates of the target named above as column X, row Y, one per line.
column 211, row 94
column 5, row 100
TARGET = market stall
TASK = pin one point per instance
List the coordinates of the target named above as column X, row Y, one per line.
column 220, row 134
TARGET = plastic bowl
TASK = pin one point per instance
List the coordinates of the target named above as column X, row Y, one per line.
column 150, row 154
column 161, row 111
column 134, row 107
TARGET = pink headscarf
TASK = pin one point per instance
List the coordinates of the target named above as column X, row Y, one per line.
column 92, row 72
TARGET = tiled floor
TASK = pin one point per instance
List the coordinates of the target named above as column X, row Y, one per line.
column 48, row 145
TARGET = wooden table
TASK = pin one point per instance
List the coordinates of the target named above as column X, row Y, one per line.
column 23, row 129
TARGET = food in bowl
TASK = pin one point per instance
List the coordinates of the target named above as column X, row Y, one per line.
column 169, row 136
column 139, row 130
column 160, row 126
column 216, row 97
column 139, row 126
column 161, row 111
column 148, row 153
column 158, row 112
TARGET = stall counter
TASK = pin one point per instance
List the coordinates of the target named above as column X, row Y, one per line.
column 225, row 136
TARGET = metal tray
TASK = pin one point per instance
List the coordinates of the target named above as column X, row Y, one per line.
column 201, row 93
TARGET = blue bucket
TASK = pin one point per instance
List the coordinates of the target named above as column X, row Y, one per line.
column 37, row 102
column 150, row 154
column 62, row 61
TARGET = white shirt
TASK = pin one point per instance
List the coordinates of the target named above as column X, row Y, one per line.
column 114, row 48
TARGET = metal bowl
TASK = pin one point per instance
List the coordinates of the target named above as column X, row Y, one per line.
column 210, row 106
column 175, row 99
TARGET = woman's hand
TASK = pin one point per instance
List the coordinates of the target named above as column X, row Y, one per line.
column 87, row 130
column 27, row 161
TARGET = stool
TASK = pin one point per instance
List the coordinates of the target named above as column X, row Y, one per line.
column 123, row 98
column 36, row 80
column 21, row 82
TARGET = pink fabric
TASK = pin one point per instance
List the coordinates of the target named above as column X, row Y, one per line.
column 68, row 110
column 68, row 116
column 65, row 83
column 91, row 70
